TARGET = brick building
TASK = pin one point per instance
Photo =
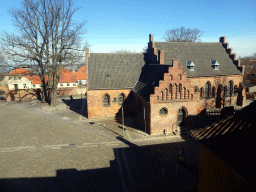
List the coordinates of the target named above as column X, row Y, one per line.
column 164, row 86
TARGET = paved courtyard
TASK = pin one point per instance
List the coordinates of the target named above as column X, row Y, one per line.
column 42, row 149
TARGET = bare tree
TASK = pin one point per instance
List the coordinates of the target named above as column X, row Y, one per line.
column 183, row 35
column 47, row 38
column 3, row 66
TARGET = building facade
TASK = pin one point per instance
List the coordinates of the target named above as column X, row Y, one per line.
column 164, row 86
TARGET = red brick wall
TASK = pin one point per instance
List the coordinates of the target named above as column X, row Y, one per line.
column 174, row 98
column 141, row 105
column 96, row 109
column 160, row 123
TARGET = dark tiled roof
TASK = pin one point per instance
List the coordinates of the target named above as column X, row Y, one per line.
column 149, row 78
column 233, row 140
column 114, row 70
column 201, row 54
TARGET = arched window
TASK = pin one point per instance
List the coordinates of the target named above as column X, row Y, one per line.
column 180, row 90
column 185, row 93
column 188, row 94
column 201, row 92
column 176, row 91
column 230, row 88
column 225, row 90
column 162, row 95
column 235, row 89
column 121, row 98
column 166, row 94
column 213, row 91
column 171, row 90
column 106, row 99
column 207, row 89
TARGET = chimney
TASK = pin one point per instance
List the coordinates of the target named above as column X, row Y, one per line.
column 175, row 63
column 150, row 38
column 223, row 39
column 161, row 56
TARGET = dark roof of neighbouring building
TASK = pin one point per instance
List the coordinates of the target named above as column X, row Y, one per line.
column 149, row 78
column 201, row 54
column 233, row 140
column 114, row 70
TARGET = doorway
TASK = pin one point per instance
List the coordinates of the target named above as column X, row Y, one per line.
column 181, row 116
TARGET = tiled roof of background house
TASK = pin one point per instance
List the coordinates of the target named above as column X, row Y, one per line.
column 65, row 70
column 114, row 70
column 20, row 71
column 233, row 140
column 68, row 78
column 149, row 78
column 66, row 75
column 34, row 79
column 201, row 54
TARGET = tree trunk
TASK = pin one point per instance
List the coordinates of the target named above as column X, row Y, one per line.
column 44, row 91
column 54, row 97
column 55, row 81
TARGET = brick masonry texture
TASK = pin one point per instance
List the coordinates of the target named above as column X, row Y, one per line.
column 96, row 108
column 26, row 94
column 177, row 92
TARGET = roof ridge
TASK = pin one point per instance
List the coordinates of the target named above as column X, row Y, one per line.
column 116, row 53
column 185, row 42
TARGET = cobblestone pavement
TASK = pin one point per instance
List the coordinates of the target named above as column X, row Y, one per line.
column 60, row 150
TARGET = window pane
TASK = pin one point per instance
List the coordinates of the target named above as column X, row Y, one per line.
column 206, row 88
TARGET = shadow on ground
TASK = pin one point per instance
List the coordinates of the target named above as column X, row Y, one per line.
column 77, row 105
column 136, row 168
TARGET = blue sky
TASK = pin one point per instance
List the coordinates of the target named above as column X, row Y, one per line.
column 114, row 25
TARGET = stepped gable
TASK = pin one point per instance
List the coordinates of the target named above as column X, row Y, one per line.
column 114, row 70
column 232, row 140
column 201, row 54
column 149, row 79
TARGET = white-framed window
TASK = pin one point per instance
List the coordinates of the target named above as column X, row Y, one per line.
column 25, row 86
column 34, row 86
column 67, row 84
column 61, row 84
column 19, row 78
column 215, row 64
column 74, row 84
column 190, row 65
column 10, row 78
